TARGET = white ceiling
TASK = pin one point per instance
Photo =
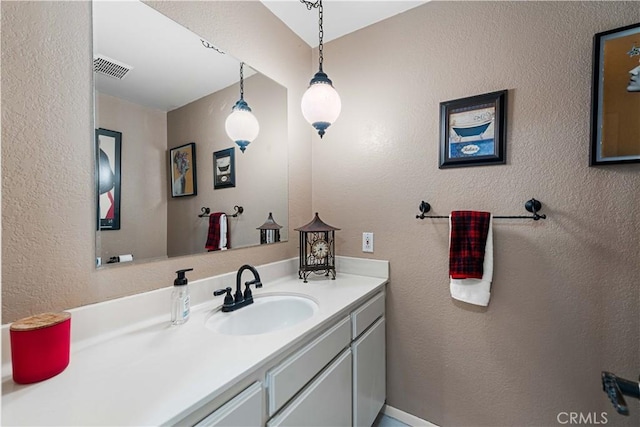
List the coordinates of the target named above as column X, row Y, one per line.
column 170, row 65
column 341, row 17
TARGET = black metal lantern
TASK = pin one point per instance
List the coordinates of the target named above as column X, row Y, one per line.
column 317, row 249
column 269, row 231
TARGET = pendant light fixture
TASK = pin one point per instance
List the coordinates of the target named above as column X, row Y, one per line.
column 321, row 103
column 241, row 125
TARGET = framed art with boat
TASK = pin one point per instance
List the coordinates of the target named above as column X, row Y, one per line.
column 473, row 130
column 224, row 169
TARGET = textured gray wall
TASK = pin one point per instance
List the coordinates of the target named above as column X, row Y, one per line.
column 565, row 297
column 143, row 218
column 260, row 172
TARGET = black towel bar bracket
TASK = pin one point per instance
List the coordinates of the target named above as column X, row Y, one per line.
column 532, row 206
column 616, row 388
column 238, row 210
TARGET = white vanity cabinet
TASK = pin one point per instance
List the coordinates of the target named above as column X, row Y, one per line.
column 243, row 410
column 326, row 370
column 339, row 379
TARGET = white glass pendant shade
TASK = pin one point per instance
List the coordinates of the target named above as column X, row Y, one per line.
column 321, row 103
column 241, row 125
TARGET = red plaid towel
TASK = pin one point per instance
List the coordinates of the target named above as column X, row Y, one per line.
column 213, row 236
column 468, row 238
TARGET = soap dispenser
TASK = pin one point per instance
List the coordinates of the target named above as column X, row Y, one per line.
column 180, row 300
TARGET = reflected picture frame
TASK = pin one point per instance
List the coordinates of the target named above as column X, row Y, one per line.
column 182, row 163
column 473, row 130
column 224, row 169
column 615, row 97
column 108, row 178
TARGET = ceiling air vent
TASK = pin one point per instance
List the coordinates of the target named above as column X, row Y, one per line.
column 110, row 67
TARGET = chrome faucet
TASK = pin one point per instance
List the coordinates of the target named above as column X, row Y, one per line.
column 240, row 299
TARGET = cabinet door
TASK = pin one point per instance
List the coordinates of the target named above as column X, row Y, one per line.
column 243, row 410
column 324, row 402
column 369, row 374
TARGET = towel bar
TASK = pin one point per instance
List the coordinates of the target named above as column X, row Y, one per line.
column 238, row 210
column 616, row 388
column 532, row 206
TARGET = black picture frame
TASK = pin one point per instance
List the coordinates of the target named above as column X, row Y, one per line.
column 473, row 130
column 182, row 164
column 224, row 168
column 615, row 97
column 108, row 178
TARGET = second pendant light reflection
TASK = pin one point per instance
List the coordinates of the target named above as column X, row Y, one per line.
column 241, row 125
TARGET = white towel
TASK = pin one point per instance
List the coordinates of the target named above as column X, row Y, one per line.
column 223, row 232
column 476, row 291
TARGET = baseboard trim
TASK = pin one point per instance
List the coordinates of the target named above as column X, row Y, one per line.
column 405, row 417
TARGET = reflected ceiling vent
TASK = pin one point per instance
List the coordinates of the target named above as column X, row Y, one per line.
column 110, row 67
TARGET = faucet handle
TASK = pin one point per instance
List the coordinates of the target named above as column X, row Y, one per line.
column 247, row 289
column 256, row 282
column 228, row 299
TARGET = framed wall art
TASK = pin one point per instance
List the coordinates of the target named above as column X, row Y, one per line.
column 182, row 162
column 615, row 99
column 224, row 169
column 108, row 178
column 473, row 130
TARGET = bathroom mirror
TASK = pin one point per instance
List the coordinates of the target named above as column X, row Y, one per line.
column 158, row 86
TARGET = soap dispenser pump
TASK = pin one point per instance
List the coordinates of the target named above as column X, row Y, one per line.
column 180, row 299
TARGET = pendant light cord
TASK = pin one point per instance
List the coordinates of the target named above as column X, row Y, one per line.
column 242, row 80
column 320, row 32
column 311, row 5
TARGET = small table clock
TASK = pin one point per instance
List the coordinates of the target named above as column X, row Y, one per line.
column 317, row 249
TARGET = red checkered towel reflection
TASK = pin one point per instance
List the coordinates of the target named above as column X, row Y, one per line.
column 213, row 236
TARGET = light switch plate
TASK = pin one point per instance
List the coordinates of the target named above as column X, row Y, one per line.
column 367, row 242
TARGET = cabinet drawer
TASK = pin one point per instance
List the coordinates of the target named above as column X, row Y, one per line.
column 366, row 315
column 243, row 410
column 285, row 380
column 324, row 402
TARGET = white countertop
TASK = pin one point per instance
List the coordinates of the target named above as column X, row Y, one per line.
column 129, row 366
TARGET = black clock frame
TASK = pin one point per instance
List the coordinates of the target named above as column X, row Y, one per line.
column 308, row 263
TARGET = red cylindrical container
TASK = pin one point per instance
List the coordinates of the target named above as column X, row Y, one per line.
column 40, row 346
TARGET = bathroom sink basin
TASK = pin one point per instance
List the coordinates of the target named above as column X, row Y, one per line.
column 266, row 314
